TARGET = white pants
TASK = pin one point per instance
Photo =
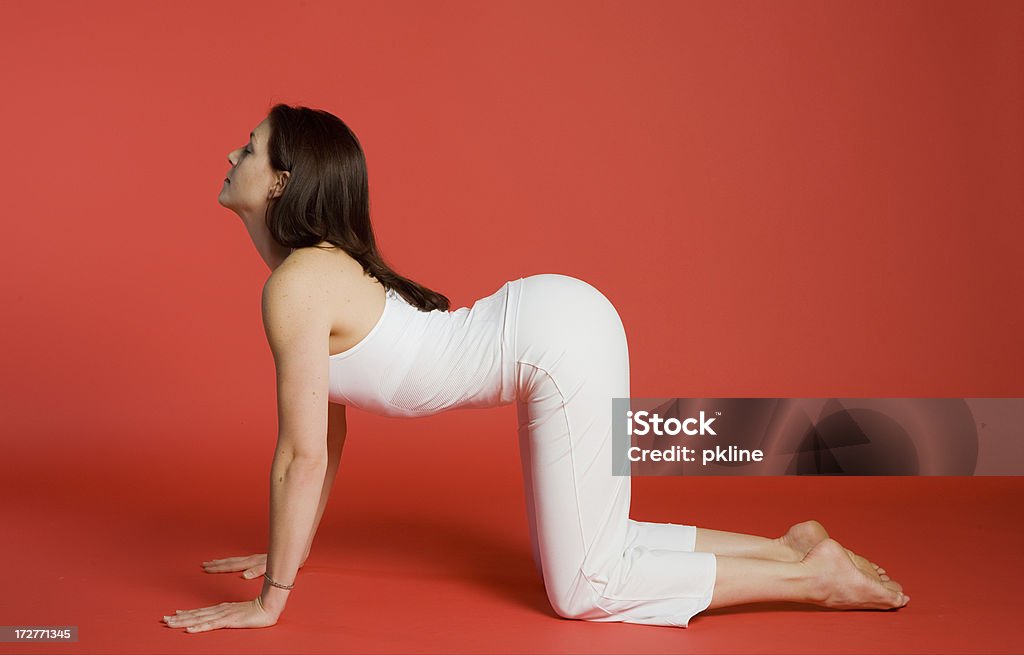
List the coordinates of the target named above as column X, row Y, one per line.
column 597, row 563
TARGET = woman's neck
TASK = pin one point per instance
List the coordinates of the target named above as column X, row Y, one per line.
column 271, row 251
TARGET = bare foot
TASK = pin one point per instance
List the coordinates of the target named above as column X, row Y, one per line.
column 844, row 585
column 800, row 538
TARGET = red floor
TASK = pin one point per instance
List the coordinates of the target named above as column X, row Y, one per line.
column 438, row 562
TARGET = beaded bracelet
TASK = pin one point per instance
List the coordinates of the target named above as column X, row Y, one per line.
column 277, row 584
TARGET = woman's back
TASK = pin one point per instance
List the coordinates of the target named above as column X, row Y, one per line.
column 415, row 363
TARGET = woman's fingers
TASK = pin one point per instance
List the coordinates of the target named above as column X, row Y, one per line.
column 241, row 563
column 226, row 564
column 193, row 617
column 255, row 571
column 199, row 613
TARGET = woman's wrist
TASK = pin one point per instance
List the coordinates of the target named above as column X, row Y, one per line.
column 273, row 598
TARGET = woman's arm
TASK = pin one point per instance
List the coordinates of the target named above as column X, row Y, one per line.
column 336, row 431
column 294, row 489
column 295, row 318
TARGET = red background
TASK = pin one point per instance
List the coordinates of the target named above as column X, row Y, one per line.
column 797, row 199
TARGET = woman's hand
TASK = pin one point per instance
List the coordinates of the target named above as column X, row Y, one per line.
column 246, row 614
column 253, row 565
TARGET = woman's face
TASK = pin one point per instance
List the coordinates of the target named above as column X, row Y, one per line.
column 251, row 182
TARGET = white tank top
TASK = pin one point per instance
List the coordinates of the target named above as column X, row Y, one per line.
column 415, row 363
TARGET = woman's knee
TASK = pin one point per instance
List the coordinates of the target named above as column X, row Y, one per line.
column 580, row 602
column 577, row 609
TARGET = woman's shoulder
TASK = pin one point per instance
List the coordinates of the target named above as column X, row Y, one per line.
column 319, row 261
column 313, row 268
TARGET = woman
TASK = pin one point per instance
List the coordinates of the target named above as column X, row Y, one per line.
column 346, row 329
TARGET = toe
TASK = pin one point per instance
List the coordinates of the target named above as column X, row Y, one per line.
column 893, row 585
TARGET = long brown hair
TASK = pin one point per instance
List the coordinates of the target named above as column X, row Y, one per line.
column 327, row 196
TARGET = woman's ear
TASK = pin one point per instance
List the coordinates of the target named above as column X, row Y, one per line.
column 279, row 184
